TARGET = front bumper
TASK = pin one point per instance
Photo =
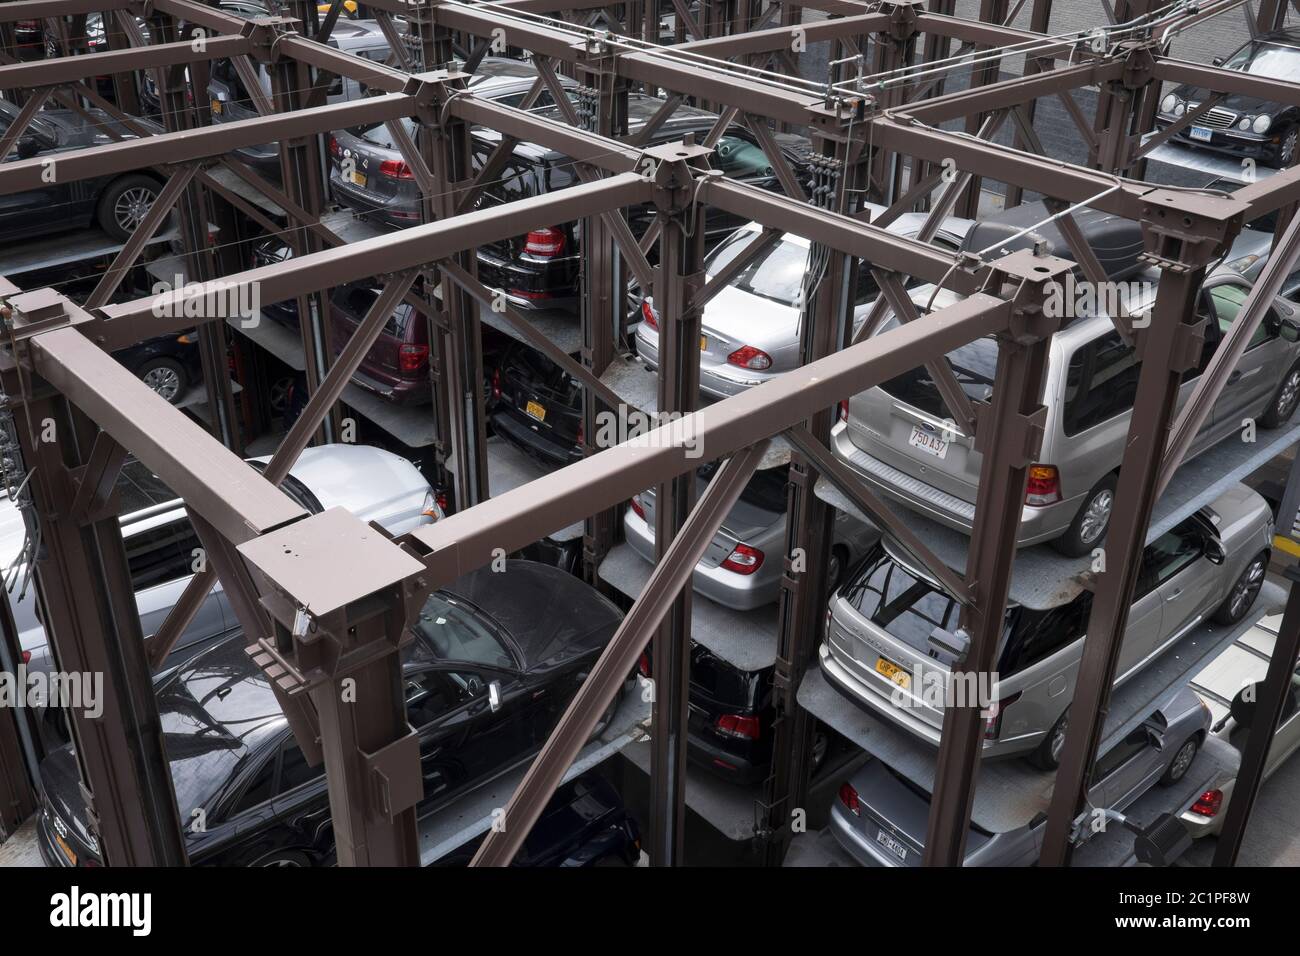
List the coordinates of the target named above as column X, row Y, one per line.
column 1230, row 142
column 742, row 592
column 1036, row 524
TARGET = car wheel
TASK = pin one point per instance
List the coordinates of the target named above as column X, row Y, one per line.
column 165, row 376
column 1182, row 760
column 1284, row 402
column 1048, row 754
column 1241, row 598
column 124, row 204
column 1089, row 526
column 837, row 568
column 279, row 397
column 1286, row 147
column 285, row 858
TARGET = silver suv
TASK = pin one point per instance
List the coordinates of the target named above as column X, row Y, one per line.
column 877, row 649
column 901, row 439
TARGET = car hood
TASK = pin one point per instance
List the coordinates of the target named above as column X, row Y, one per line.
column 552, row 616
column 61, row 780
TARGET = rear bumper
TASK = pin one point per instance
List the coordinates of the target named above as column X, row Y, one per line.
column 396, row 211
column 1036, row 524
column 402, row 392
column 717, row 381
column 533, row 443
column 723, row 763
column 540, row 284
column 742, row 592
column 856, row 844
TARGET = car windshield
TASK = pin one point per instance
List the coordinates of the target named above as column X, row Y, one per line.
column 451, row 631
column 973, row 364
column 776, row 275
column 1271, row 60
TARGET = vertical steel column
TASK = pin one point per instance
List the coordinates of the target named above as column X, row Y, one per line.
column 94, row 628
column 604, row 295
column 1040, row 17
column 301, row 163
column 895, row 46
column 677, row 279
column 994, row 12
column 1183, row 233
column 17, row 755
column 805, row 579
column 1007, row 438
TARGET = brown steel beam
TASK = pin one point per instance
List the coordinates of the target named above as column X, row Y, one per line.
column 68, row 69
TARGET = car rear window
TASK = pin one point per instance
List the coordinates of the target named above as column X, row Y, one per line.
column 357, row 300
column 766, row 489
column 890, row 596
column 1100, row 383
column 973, row 364
column 777, row 275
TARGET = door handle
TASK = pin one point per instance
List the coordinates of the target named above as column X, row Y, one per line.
column 1174, row 594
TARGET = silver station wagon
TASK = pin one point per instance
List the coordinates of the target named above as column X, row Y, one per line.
column 880, row 818
column 877, row 650
column 902, row 440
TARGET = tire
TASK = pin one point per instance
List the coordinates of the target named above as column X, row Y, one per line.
column 821, row 749
column 1241, row 596
column 1083, row 534
column 1286, row 147
column 124, row 203
column 284, row 858
column 166, row 377
column 1284, row 401
column 1048, row 754
column 1182, row 761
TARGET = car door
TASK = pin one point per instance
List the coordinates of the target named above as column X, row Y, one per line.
column 1144, row 625
column 1184, row 578
column 1252, row 383
column 48, row 202
column 1126, row 770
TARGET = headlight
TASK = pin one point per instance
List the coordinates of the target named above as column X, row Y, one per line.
column 1180, row 109
column 1245, row 123
column 1168, row 103
column 1261, row 124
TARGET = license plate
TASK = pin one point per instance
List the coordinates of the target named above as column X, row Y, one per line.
column 704, row 343
column 927, row 442
column 892, row 845
column 536, row 411
column 895, row 673
column 356, row 178
column 67, row 850
column 1201, row 133
column 216, row 107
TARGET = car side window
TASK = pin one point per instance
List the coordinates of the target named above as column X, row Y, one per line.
column 429, row 696
column 1100, row 383
column 260, row 789
column 1169, row 554
column 1128, row 748
column 161, row 554
column 294, row 771
column 1291, row 287
column 1227, row 301
column 1038, row 635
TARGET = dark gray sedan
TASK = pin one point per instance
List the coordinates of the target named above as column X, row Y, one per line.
column 880, row 818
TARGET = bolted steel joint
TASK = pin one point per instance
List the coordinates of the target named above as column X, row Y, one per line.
column 264, row 35
column 432, row 92
column 1183, row 231
column 1139, row 64
column 1032, row 284
column 902, row 18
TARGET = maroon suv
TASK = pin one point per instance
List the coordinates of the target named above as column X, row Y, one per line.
column 397, row 366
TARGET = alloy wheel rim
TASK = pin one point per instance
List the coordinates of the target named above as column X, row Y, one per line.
column 1183, row 759
column 1058, row 739
column 131, row 208
column 1290, row 392
column 1247, row 586
column 164, row 381
column 1096, row 516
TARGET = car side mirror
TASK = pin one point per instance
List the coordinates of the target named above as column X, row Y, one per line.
column 28, row 147
column 1289, row 329
column 1217, row 61
column 1214, row 552
column 494, row 695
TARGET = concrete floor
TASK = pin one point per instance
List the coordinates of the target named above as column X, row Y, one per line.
column 20, row 849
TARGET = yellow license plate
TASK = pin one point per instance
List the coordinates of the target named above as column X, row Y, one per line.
column 704, row 343
column 536, row 411
column 356, row 178
column 67, row 850
column 216, row 107
column 895, row 673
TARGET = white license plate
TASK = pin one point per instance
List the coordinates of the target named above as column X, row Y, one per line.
column 928, row 442
column 1201, row 133
column 892, row 845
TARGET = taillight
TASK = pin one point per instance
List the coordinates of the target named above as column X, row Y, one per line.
column 637, row 508
column 844, row 410
column 648, row 315
column 849, row 797
column 643, row 664
column 441, row 498
column 411, row 357
column 749, row 357
column 496, row 383
column 582, row 434
column 395, row 169
column 335, row 148
column 993, row 716
column 738, row 725
column 27, row 657
column 546, row 242
column 1044, row 485
column 1208, row 803
column 744, row 560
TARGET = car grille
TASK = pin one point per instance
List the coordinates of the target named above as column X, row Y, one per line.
column 1215, row 118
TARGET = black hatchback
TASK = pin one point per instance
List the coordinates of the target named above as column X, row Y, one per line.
column 497, row 656
column 536, row 406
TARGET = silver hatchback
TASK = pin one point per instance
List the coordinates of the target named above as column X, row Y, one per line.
column 877, row 650
column 901, row 439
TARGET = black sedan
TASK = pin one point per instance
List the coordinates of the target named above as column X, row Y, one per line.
column 496, row 658
column 117, row 203
column 169, row 364
column 1240, row 125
